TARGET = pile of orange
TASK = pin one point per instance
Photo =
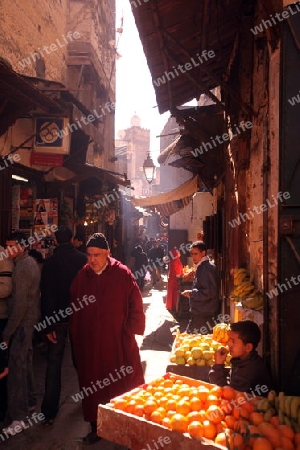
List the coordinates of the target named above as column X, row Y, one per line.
column 207, row 411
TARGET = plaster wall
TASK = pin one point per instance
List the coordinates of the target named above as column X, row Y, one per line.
column 27, row 27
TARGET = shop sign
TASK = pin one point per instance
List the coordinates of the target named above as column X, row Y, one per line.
column 51, row 135
column 46, row 159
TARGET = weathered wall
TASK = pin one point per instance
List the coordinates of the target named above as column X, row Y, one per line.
column 26, row 27
column 192, row 216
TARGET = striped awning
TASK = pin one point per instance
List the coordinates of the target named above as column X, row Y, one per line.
column 170, row 202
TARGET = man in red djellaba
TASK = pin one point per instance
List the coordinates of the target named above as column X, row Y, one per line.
column 108, row 313
column 175, row 272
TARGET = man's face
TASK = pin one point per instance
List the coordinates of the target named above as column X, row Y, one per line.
column 197, row 254
column 97, row 258
column 237, row 348
column 13, row 249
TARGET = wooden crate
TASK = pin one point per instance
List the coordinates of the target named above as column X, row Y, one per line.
column 137, row 433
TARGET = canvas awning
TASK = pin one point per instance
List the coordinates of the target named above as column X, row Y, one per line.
column 172, row 201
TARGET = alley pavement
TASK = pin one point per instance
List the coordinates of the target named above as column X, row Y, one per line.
column 69, row 425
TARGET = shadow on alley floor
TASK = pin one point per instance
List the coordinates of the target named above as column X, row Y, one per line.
column 69, row 426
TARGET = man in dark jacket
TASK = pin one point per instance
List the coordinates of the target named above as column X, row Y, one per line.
column 57, row 275
column 204, row 296
column 140, row 263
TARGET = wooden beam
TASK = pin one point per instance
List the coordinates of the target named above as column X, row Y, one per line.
column 246, row 108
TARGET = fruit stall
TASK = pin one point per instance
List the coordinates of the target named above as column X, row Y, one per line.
column 188, row 414
column 192, row 355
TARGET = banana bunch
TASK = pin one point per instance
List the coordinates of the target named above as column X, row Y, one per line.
column 288, row 408
column 256, row 302
column 245, row 291
column 220, row 332
column 266, row 407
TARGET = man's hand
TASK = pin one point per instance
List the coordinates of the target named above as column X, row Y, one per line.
column 52, row 337
column 220, row 355
column 186, row 293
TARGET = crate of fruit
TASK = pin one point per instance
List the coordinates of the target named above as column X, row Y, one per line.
column 137, row 422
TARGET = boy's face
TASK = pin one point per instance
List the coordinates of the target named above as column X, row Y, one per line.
column 237, row 348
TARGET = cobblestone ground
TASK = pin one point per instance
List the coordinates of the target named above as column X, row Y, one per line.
column 69, row 425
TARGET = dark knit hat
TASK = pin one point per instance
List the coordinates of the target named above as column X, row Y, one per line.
column 98, row 240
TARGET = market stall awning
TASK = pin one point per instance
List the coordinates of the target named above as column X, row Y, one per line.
column 177, row 37
column 17, row 97
column 172, row 201
column 76, row 173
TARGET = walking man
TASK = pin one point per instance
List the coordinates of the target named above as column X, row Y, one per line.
column 109, row 312
column 23, row 314
column 57, row 274
column 204, row 296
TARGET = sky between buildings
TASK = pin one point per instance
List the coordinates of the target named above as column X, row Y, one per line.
column 134, row 90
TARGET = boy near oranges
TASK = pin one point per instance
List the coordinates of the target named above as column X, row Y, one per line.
column 248, row 372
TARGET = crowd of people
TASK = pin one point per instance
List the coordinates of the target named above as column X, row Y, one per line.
column 83, row 292
column 71, row 292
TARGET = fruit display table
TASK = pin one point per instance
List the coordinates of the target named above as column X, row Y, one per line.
column 196, row 372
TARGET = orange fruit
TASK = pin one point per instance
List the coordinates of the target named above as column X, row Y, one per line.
column 168, row 383
column 183, row 407
column 212, row 400
column 297, row 438
column 171, row 405
column 228, row 393
column 248, row 406
column 138, row 410
column 230, row 421
column 166, row 422
column 156, row 417
column 120, row 404
column 214, row 414
column 274, row 421
column 195, row 416
column 196, row 429
column 253, row 430
column 240, row 398
column 262, row 443
column 217, row 391
column 149, row 406
column 203, row 393
column 130, row 406
column 271, row 433
column 256, row 418
column 195, row 404
column 236, row 441
column 286, row 443
column 221, row 439
column 210, row 429
column 226, row 406
column 286, row 431
column 184, row 391
column 170, row 413
column 179, row 423
column 241, row 412
column 221, row 427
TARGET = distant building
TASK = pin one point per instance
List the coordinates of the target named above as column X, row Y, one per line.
column 132, row 148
